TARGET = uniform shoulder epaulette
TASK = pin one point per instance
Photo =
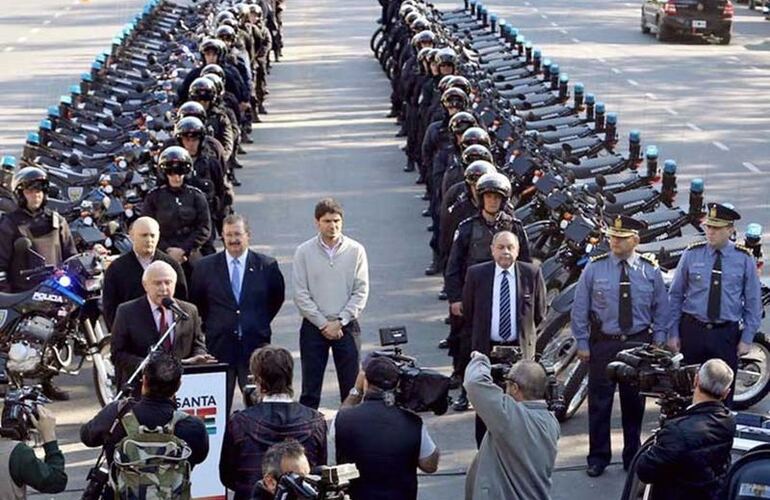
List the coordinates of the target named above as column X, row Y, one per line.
column 600, row 256
column 193, row 188
column 744, row 249
column 649, row 258
column 467, row 220
column 696, row 244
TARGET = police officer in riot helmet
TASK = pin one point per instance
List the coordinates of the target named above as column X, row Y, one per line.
column 48, row 232
column 207, row 173
column 180, row 209
column 213, row 51
column 204, row 91
column 472, row 245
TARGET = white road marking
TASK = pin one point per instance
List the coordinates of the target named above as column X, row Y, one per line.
column 34, row 30
column 555, row 25
column 754, row 68
column 601, row 60
column 736, row 59
column 576, row 40
column 67, row 8
column 632, row 82
column 651, row 96
column 21, row 39
column 720, row 146
column 46, row 22
column 58, row 14
column 527, row 4
column 671, row 112
column 563, row 31
column 543, row 16
column 616, row 71
column 750, row 166
column 8, row 49
column 694, row 127
column 536, row 9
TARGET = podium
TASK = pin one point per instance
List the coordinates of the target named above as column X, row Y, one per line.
column 202, row 394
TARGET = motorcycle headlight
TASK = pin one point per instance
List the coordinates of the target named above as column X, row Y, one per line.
column 64, row 281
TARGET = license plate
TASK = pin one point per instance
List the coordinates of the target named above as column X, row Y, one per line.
column 698, row 24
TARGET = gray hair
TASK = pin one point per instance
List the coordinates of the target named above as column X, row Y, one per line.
column 271, row 462
column 530, row 377
column 158, row 266
column 233, row 219
column 715, row 378
column 500, row 234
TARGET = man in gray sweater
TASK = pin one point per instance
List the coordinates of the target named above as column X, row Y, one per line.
column 331, row 285
column 517, row 455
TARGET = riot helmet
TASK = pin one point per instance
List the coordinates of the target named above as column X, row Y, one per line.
column 462, row 121
column 476, row 170
column 475, row 135
column 476, row 152
column 29, row 178
column 203, row 89
column 191, row 108
column 492, row 183
column 455, row 98
column 175, row 160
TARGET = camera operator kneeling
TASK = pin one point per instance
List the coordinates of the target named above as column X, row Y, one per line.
column 517, row 454
column 282, row 458
column 274, row 418
column 691, row 453
column 156, row 408
column 386, row 443
column 19, row 467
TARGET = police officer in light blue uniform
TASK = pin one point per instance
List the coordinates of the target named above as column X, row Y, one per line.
column 620, row 300
column 716, row 298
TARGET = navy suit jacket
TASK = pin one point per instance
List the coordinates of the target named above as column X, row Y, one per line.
column 262, row 294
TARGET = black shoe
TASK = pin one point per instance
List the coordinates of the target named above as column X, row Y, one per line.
column 455, row 382
column 55, row 393
column 235, row 182
column 241, row 151
column 443, row 344
column 409, row 167
column 447, row 320
column 421, row 180
column 425, row 196
column 430, row 228
column 442, row 295
column 426, row 212
column 401, row 133
column 247, row 139
column 261, row 110
column 393, row 114
column 462, row 404
column 595, row 470
column 256, row 119
column 431, row 270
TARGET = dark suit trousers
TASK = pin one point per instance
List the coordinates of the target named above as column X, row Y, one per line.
column 240, row 373
column 601, row 393
column 314, row 353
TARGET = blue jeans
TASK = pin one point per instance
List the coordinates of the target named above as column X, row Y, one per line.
column 314, row 354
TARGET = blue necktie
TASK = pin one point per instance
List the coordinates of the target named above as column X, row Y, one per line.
column 235, row 281
column 505, row 308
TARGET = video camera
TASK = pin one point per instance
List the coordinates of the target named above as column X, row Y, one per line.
column 20, row 404
column 504, row 357
column 330, row 483
column 657, row 373
column 419, row 389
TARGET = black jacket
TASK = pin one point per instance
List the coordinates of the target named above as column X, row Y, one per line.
column 183, row 216
column 691, row 454
column 149, row 412
column 123, row 282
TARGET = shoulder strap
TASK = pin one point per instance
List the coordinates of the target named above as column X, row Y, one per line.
column 599, row 257
column 744, row 249
column 130, row 424
column 697, row 244
column 649, row 258
column 178, row 416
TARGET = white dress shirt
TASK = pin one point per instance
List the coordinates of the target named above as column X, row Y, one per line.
column 494, row 330
column 156, row 316
column 241, row 264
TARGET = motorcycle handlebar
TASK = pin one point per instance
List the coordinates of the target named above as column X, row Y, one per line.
column 28, row 273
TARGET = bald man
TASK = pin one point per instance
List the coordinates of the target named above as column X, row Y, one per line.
column 140, row 323
column 123, row 279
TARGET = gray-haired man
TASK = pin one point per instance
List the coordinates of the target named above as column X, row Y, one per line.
column 691, row 453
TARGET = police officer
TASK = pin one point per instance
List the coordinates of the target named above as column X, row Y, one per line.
column 620, row 299
column 715, row 290
column 180, row 209
column 472, row 245
column 207, row 172
column 47, row 230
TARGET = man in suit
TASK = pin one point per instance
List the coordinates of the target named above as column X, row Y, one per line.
column 238, row 293
column 140, row 323
column 123, row 279
column 503, row 302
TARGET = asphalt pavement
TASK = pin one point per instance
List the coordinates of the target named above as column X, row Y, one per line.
column 326, row 135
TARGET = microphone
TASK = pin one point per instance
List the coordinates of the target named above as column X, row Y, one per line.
column 169, row 303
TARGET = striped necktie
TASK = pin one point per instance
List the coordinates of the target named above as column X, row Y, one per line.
column 505, row 307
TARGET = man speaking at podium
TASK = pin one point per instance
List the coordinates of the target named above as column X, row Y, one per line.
column 141, row 322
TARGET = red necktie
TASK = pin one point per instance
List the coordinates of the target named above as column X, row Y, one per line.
column 167, row 344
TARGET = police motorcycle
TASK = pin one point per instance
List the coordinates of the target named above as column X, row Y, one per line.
column 54, row 327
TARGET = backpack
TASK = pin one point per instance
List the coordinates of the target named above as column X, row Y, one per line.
column 151, row 464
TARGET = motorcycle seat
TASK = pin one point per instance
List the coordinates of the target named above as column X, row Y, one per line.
column 8, row 300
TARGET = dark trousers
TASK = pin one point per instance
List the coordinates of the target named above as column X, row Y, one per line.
column 601, row 393
column 699, row 344
column 314, row 353
column 236, row 373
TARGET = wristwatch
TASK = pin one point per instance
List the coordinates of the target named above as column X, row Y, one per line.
column 354, row 392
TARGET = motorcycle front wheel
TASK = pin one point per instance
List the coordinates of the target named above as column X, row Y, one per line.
column 753, row 378
column 104, row 373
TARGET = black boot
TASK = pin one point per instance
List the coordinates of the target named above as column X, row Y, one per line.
column 261, row 109
column 462, row 403
column 53, row 392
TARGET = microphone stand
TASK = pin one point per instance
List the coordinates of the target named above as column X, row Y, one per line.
column 98, row 477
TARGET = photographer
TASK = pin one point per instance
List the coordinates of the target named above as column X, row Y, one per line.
column 281, row 458
column 156, row 407
column 386, row 443
column 517, row 455
column 274, row 418
column 691, row 453
column 19, row 467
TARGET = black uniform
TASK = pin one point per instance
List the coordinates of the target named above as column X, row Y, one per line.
column 183, row 216
column 50, row 235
